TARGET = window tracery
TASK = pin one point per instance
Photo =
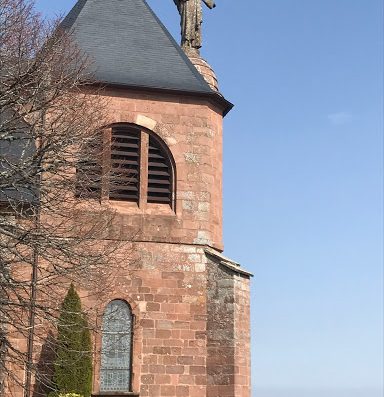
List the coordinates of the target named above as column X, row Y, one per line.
column 116, row 349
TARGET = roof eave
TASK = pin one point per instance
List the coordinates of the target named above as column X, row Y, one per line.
column 215, row 97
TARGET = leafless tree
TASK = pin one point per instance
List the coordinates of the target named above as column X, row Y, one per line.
column 53, row 226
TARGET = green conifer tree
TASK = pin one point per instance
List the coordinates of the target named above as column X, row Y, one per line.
column 73, row 364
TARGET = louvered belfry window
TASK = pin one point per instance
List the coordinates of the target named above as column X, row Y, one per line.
column 159, row 174
column 127, row 163
column 124, row 179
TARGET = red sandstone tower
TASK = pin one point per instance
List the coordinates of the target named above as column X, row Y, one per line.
column 181, row 323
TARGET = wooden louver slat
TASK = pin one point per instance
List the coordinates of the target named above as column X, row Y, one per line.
column 159, row 174
column 124, row 176
column 114, row 171
column 89, row 170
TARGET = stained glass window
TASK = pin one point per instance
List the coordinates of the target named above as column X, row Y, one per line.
column 116, row 347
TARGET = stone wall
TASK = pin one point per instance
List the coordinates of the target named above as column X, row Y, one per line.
column 221, row 332
column 188, row 337
column 228, row 332
column 167, row 294
column 192, row 129
column 191, row 331
column 191, row 336
column 242, row 326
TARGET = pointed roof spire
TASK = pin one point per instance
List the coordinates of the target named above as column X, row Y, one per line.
column 129, row 46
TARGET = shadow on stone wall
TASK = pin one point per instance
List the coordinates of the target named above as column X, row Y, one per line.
column 45, row 367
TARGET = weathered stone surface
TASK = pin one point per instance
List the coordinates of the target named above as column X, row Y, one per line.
column 198, row 215
column 191, row 331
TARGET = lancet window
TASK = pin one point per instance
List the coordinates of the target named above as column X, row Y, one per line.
column 116, row 349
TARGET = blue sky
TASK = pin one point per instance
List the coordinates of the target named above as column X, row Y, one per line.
column 303, row 173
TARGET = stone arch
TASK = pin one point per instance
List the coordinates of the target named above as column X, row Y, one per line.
column 148, row 123
column 127, row 299
column 152, row 127
column 157, row 127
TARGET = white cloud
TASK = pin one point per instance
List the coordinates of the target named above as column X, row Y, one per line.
column 340, row 118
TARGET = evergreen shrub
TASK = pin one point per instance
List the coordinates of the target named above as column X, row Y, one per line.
column 73, row 363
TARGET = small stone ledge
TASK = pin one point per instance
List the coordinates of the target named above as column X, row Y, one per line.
column 116, row 394
column 226, row 262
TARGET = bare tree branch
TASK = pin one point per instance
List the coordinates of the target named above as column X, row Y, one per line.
column 52, row 224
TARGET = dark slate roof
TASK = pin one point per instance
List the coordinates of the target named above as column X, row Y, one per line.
column 130, row 46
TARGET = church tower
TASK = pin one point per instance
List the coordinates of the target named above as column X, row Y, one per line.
column 180, row 322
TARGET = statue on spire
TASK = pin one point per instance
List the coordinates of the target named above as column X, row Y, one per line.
column 191, row 13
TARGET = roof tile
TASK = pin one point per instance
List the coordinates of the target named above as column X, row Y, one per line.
column 130, row 46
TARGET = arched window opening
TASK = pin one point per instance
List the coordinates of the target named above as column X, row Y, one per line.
column 116, row 348
column 135, row 165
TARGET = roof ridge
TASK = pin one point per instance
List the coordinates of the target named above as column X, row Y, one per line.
column 178, row 48
column 69, row 19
